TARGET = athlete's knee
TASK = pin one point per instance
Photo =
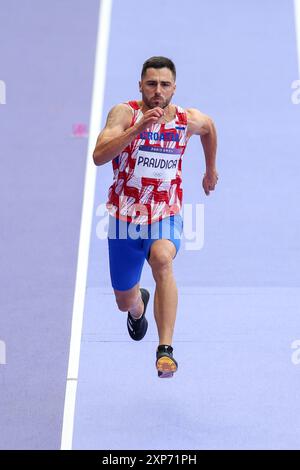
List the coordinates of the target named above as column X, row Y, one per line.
column 127, row 300
column 161, row 258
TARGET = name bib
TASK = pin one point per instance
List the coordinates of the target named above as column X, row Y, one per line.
column 157, row 162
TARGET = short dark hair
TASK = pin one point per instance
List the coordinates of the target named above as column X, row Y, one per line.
column 158, row 62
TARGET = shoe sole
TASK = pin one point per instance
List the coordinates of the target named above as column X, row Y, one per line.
column 165, row 367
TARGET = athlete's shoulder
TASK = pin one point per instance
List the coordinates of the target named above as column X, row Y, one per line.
column 119, row 114
column 129, row 107
column 197, row 121
column 193, row 111
column 196, row 113
column 121, row 108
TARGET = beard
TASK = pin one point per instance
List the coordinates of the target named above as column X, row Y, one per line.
column 150, row 103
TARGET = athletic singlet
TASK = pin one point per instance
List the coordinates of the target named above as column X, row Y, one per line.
column 147, row 173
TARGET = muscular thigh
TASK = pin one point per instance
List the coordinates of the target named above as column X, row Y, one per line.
column 126, row 260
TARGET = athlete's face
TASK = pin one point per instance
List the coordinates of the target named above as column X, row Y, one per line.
column 157, row 87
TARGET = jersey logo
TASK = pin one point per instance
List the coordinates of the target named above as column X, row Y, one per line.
column 165, row 136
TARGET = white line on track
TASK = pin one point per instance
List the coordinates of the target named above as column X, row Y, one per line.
column 297, row 22
column 86, row 222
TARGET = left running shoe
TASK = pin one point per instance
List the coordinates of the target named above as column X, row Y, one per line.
column 138, row 328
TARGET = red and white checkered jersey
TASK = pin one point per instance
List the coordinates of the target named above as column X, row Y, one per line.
column 147, row 173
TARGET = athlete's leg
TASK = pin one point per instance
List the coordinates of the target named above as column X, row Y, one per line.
column 126, row 263
column 134, row 301
column 161, row 257
column 130, row 300
column 126, row 260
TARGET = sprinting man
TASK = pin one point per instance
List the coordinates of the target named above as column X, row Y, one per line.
column 145, row 140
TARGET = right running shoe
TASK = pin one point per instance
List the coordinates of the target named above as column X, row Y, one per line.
column 138, row 328
column 165, row 362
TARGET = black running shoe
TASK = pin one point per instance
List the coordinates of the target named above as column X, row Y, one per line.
column 165, row 362
column 138, row 328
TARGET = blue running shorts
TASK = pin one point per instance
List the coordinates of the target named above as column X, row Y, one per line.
column 129, row 245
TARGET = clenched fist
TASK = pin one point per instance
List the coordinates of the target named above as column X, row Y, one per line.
column 152, row 116
column 209, row 181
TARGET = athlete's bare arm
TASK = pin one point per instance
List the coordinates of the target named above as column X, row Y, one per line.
column 117, row 133
column 202, row 125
